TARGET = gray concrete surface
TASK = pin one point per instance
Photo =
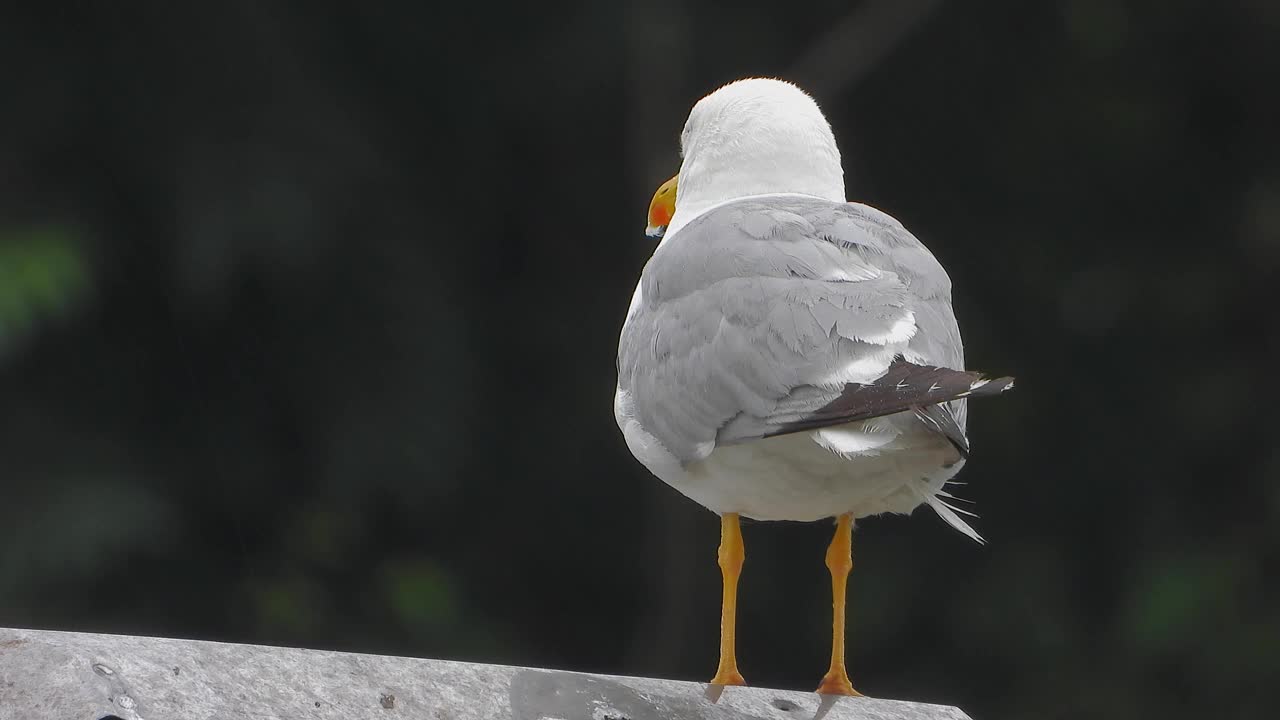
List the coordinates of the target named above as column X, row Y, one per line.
column 80, row 676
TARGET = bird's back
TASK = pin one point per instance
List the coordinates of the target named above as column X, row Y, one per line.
column 757, row 315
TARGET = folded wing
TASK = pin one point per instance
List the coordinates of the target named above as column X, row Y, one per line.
column 770, row 316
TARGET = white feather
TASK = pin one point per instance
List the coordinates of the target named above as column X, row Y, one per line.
column 852, row 439
column 948, row 513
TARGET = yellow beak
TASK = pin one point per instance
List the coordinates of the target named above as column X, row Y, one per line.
column 661, row 208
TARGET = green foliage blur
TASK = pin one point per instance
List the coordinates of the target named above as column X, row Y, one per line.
column 308, row 321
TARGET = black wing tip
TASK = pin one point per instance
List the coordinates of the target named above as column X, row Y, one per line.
column 904, row 386
column 984, row 387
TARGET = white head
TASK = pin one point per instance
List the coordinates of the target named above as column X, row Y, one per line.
column 755, row 137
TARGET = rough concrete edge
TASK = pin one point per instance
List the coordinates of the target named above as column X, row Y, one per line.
column 738, row 703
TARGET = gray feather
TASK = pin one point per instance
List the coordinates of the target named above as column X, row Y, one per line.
column 752, row 312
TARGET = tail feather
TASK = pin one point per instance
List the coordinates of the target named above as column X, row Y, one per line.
column 948, row 514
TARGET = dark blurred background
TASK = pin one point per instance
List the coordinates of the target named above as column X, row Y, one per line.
column 308, row 321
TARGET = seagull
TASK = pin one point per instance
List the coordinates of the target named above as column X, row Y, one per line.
column 789, row 355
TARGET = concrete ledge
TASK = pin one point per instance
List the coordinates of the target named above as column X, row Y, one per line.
column 80, row 676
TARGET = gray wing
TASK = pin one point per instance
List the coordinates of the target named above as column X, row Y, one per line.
column 760, row 316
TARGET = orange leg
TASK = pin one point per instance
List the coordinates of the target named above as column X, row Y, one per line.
column 730, row 556
column 839, row 562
